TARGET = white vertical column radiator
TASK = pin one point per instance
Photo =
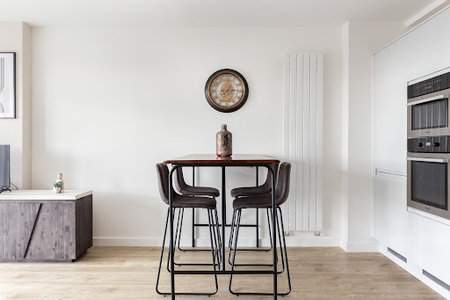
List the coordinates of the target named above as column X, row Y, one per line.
column 303, row 139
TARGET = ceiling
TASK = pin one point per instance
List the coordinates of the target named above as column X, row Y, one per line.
column 221, row 13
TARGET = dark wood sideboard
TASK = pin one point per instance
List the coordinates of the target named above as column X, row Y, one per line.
column 41, row 226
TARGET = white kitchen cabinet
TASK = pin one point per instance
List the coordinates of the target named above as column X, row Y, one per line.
column 423, row 241
column 392, row 218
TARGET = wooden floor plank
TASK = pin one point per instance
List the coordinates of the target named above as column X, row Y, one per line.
column 130, row 273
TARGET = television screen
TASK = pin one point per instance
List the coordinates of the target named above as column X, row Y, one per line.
column 4, row 167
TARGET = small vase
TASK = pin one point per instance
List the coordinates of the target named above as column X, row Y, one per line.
column 224, row 145
column 56, row 190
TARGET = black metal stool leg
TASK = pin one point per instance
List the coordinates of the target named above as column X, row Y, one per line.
column 215, row 217
column 188, row 249
column 268, row 226
column 236, row 236
column 285, row 252
column 214, row 234
column 213, row 250
column 178, row 231
column 162, row 255
column 168, row 257
column 257, row 249
column 252, row 250
column 230, row 240
column 177, row 239
column 177, row 242
column 280, row 233
column 279, row 227
column 233, row 220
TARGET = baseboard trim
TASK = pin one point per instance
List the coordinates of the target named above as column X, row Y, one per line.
column 370, row 246
column 294, row 240
column 416, row 271
column 309, row 239
column 126, row 241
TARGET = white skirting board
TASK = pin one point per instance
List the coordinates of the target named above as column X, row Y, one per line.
column 416, row 271
column 303, row 239
column 303, row 138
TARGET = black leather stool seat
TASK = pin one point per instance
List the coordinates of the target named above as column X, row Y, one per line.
column 200, row 191
column 250, row 191
column 194, row 202
column 263, row 201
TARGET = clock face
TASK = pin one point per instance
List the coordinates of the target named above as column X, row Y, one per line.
column 226, row 90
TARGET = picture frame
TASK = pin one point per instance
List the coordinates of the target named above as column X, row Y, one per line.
column 7, row 85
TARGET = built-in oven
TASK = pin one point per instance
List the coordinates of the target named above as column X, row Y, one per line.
column 428, row 105
column 428, row 174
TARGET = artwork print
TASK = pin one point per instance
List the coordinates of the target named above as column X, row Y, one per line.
column 7, row 85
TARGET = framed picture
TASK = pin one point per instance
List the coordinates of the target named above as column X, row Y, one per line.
column 7, row 85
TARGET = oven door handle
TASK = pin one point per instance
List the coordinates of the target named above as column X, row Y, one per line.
column 441, row 96
column 437, row 160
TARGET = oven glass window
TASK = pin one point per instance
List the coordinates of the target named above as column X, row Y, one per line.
column 429, row 183
column 433, row 114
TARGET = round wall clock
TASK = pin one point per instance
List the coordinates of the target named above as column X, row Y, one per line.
column 226, row 90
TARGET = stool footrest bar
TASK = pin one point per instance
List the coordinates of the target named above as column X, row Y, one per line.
column 221, row 272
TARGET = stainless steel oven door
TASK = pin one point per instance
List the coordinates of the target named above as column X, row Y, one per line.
column 427, row 183
column 428, row 115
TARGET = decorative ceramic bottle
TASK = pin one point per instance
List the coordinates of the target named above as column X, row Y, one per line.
column 224, row 147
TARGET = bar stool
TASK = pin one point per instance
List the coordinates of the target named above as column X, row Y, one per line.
column 180, row 201
column 265, row 188
column 265, row 201
column 192, row 191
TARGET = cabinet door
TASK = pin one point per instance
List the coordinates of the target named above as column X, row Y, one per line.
column 390, row 148
column 54, row 234
column 392, row 219
column 16, row 225
column 389, row 115
column 430, row 246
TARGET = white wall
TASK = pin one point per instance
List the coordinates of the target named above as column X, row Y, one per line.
column 16, row 37
column 108, row 103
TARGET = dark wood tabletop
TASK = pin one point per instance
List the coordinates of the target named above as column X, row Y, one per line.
column 212, row 159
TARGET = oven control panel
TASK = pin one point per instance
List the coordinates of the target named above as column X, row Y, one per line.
column 431, row 144
column 429, row 86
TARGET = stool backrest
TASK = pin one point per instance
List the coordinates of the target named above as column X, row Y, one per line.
column 163, row 179
column 268, row 183
column 179, row 181
column 283, row 183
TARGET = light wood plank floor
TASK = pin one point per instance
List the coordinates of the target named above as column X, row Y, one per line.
column 130, row 273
